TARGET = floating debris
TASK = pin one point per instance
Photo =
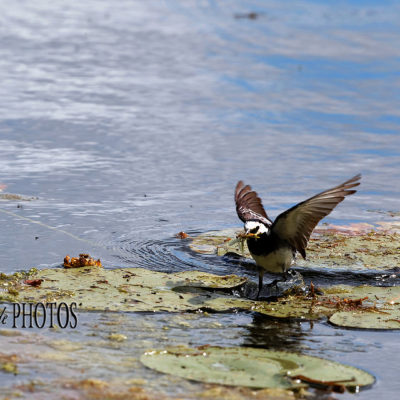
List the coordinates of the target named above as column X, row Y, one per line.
column 250, row 15
column 117, row 337
column 8, row 363
column 182, row 235
column 16, row 197
column 33, row 282
column 84, row 260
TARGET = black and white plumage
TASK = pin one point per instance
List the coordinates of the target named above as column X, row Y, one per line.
column 275, row 244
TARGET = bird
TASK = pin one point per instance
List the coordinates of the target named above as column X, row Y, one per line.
column 273, row 244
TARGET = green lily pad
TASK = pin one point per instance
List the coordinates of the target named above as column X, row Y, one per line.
column 366, row 320
column 384, row 312
column 373, row 250
column 361, row 307
column 139, row 289
column 255, row 368
column 328, row 248
column 125, row 289
column 293, row 307
column 206, row 280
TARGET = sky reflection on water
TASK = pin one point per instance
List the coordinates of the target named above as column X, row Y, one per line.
column 119, row 116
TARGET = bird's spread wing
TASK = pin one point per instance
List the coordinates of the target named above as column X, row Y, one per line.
column 296, row 224
column 249, row 205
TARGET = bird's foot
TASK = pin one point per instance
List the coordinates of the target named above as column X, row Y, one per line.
column 280, row 287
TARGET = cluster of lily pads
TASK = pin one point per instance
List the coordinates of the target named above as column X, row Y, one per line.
column 139, row 289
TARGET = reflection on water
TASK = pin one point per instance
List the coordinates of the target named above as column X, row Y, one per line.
column 24, row 160
column 88, row 352
column 274, row 334
column 132, row 121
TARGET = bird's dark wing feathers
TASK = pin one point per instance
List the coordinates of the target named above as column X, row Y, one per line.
column 296, row 224
column 249, row 205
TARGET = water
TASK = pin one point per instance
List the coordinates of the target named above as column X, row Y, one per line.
column 132, row 121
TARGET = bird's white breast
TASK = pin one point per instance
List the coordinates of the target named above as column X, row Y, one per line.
column 277, row 261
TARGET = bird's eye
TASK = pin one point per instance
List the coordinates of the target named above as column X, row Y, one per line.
column 254, row 230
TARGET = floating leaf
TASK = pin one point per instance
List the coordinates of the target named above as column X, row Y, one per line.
column 293, row 307
column 366, row 320
column 139, row 289
column 362, row 307
column 252, row 367
column 127, row 289
column 203, row 279
column 329, row 247
column 383, row 311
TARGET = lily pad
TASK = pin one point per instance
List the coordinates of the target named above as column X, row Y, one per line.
column 203, row 279
column 381, row 309
column 255, row 368
column 366, row 320
column 293, row 307
column 328, row 248
column 361, row 307
column 126, row 289
column 139, row 289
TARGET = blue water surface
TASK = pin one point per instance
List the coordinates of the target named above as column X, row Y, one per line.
column 126, row 122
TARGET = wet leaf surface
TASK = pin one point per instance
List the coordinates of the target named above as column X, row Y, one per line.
column 138, row 289
column 127, row 289
column 362, row 307
column 251, row 367
column 381, row 310
column 356, row 248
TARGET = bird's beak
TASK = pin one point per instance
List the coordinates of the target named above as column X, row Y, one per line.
column 247, row 234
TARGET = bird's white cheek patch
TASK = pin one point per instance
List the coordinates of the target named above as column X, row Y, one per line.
column 263, row 229
column 251, row 225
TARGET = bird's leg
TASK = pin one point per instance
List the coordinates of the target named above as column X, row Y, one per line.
column 260, row 282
